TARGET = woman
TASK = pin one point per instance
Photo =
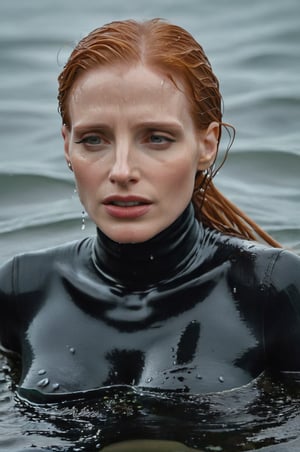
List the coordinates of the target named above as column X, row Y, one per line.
column 174, row 292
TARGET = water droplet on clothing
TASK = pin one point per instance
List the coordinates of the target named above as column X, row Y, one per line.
column 234, row 290
column 214, row 448
column 262, row 287
column 41, row 372
column 72, row 350
column 199, row 377
column 43, row 383
column 149, row 379
column 221, row 379
column 55, row 386
column 151, row 257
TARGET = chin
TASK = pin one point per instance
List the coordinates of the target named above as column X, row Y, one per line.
column 129, row 235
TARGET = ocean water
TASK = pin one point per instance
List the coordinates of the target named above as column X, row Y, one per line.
column 254, row 48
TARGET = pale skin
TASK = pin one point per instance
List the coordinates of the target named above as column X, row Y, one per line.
column 134, row 149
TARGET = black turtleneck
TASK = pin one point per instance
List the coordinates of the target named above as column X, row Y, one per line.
column 148, row 263
column 189, row 310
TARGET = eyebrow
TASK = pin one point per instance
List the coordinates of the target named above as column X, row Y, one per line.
column 151, row 125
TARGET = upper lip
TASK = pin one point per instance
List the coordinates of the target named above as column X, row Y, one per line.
column 129, row 198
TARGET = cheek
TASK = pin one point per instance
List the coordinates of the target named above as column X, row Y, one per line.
column 86, row 174
column 182, row 176
column 86, row 184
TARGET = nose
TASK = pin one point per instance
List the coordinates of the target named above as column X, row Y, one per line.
column 123, row 170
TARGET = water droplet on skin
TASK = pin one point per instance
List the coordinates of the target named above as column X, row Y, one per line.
column 221, row 379
column 55, row 386
column 43, row 383
column 41, row 372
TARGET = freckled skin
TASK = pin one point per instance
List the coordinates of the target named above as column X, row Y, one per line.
column 190, row 310
column 132, row 135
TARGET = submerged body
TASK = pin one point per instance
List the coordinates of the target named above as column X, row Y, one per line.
column 191, row 310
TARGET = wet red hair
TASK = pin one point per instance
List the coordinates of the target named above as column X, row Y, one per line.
column 171, row 49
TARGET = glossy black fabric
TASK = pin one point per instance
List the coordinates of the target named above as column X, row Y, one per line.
column 190, row 310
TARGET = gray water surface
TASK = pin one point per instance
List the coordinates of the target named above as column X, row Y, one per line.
column 255, row 50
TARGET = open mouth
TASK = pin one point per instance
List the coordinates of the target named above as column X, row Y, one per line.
column 127, row 203
column 126, row 208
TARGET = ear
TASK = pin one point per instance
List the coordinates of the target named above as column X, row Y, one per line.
column 66, row 137
column 208, row 145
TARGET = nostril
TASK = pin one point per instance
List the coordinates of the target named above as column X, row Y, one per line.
column 123, row 175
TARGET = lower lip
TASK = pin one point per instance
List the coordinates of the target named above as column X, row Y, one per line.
column 127, row 212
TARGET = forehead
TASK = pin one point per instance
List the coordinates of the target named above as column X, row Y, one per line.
column 137, row 87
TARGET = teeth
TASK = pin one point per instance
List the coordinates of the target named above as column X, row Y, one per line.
column 126, row 204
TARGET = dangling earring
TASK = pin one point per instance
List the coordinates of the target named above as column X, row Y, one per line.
column 83, row 215
column 70, row 166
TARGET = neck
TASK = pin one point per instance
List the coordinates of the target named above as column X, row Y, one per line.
column 144, row 264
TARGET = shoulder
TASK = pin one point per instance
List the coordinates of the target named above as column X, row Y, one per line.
column 67, row 250
column 238, row 249
column 29, row 269
column 255, row 263
column 286, row 272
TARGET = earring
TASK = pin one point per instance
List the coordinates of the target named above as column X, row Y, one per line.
column 70, row 166
column 83, row 215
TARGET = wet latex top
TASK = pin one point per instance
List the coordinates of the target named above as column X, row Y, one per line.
column 191, row 310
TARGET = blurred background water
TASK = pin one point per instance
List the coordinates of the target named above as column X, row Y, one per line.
column 254, row 47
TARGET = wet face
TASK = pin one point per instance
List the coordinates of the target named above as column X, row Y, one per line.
column 134, row 150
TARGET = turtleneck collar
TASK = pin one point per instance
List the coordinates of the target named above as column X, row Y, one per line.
column 144, row 264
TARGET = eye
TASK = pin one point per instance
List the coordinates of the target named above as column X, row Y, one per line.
column 92, row 140
column 159, row 139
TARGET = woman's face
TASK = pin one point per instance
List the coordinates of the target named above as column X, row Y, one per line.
column 134, row 150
